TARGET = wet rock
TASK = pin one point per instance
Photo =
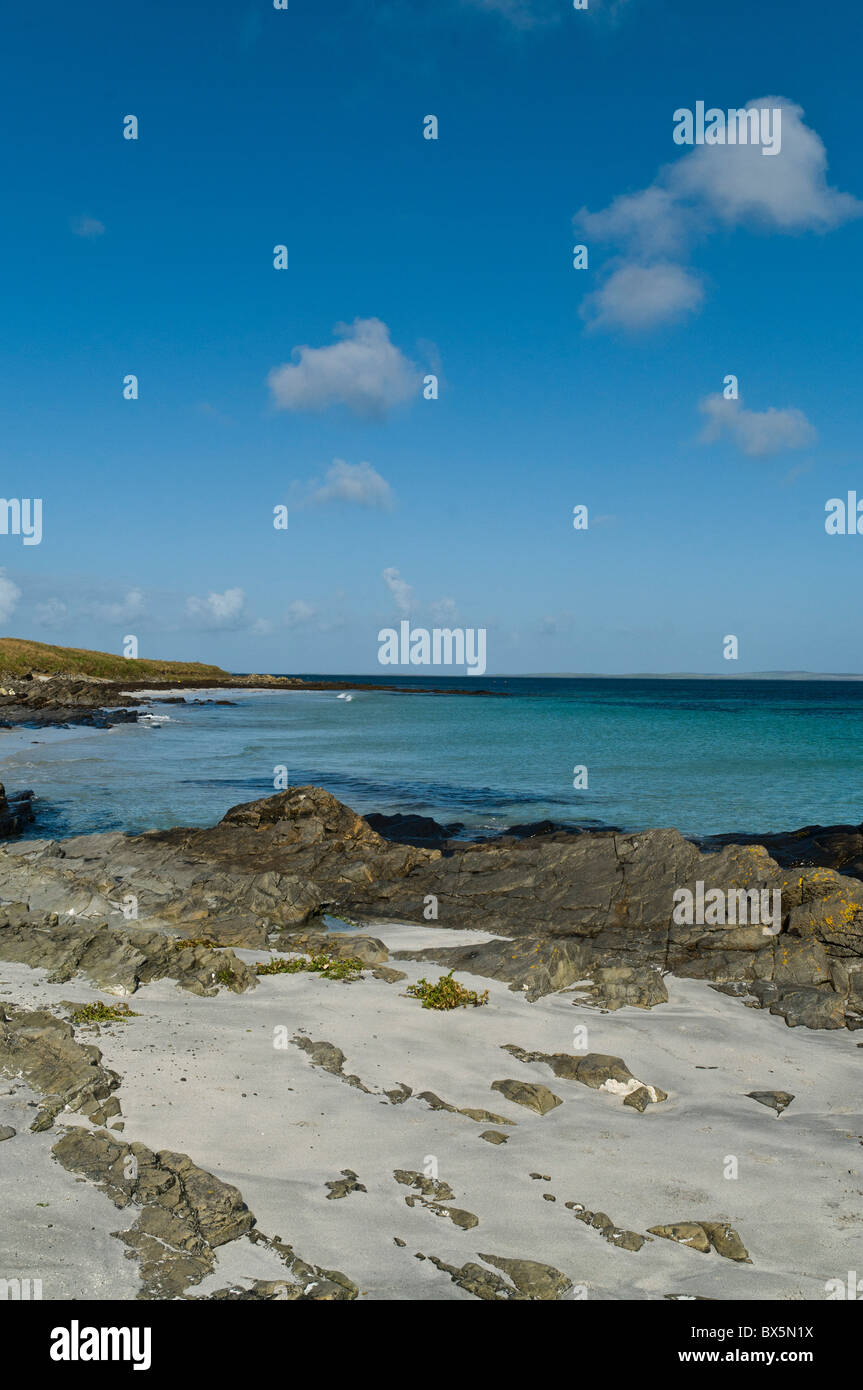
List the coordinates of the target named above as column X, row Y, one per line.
column 7, row 1132
column 413, row 830
column 494, row 1136
column 16, row 811
column 530, row 1094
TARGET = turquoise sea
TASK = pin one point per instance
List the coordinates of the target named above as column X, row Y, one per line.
column 703, row 755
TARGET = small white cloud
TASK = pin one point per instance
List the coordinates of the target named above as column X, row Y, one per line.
column 88, row 227
column 756, row 433
column 357, row 483
column 638, row 297
column 443, row 611
column 218, row 610
column 9, row 596
column 400, row 590
column 299, row 612
column 52, row 613
column 132, row 606
column 365, row 371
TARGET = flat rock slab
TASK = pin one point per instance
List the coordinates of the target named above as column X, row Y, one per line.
column 531, row 1094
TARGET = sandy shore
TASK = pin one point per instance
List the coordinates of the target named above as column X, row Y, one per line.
column 221, row 1080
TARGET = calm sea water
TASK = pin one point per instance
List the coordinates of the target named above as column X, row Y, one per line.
column 705, row 756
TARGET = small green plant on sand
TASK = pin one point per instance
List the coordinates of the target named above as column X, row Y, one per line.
column 346, row 968
column 88, row 1015
column 446, row 993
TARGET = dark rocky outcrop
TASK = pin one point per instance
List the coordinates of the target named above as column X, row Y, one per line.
column 566, row 909
column 16, row 811
column 413, row 830
column 815, row 846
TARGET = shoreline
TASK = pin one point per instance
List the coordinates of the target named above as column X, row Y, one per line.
column 369, row 1131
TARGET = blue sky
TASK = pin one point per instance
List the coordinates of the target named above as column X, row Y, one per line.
column 409, row 256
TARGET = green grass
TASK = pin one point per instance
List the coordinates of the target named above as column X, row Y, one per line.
column 446, row 993
column 90, row 1014
column 19, row 657
column 347, row 968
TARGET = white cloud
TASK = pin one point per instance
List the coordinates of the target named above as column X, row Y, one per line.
column 218, row 610
column 709, row 187
column 299, row 612
column 443, row 611
column 365, row 371
column 132, row 606
column 358, row 483
column 9, row 596
column 786, row 192
column 88, row 227
column 756, row 433
column 400, row 590
column 52, row 613
column 641, row 296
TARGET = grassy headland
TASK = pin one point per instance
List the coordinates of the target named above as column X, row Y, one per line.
column 19, row 657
